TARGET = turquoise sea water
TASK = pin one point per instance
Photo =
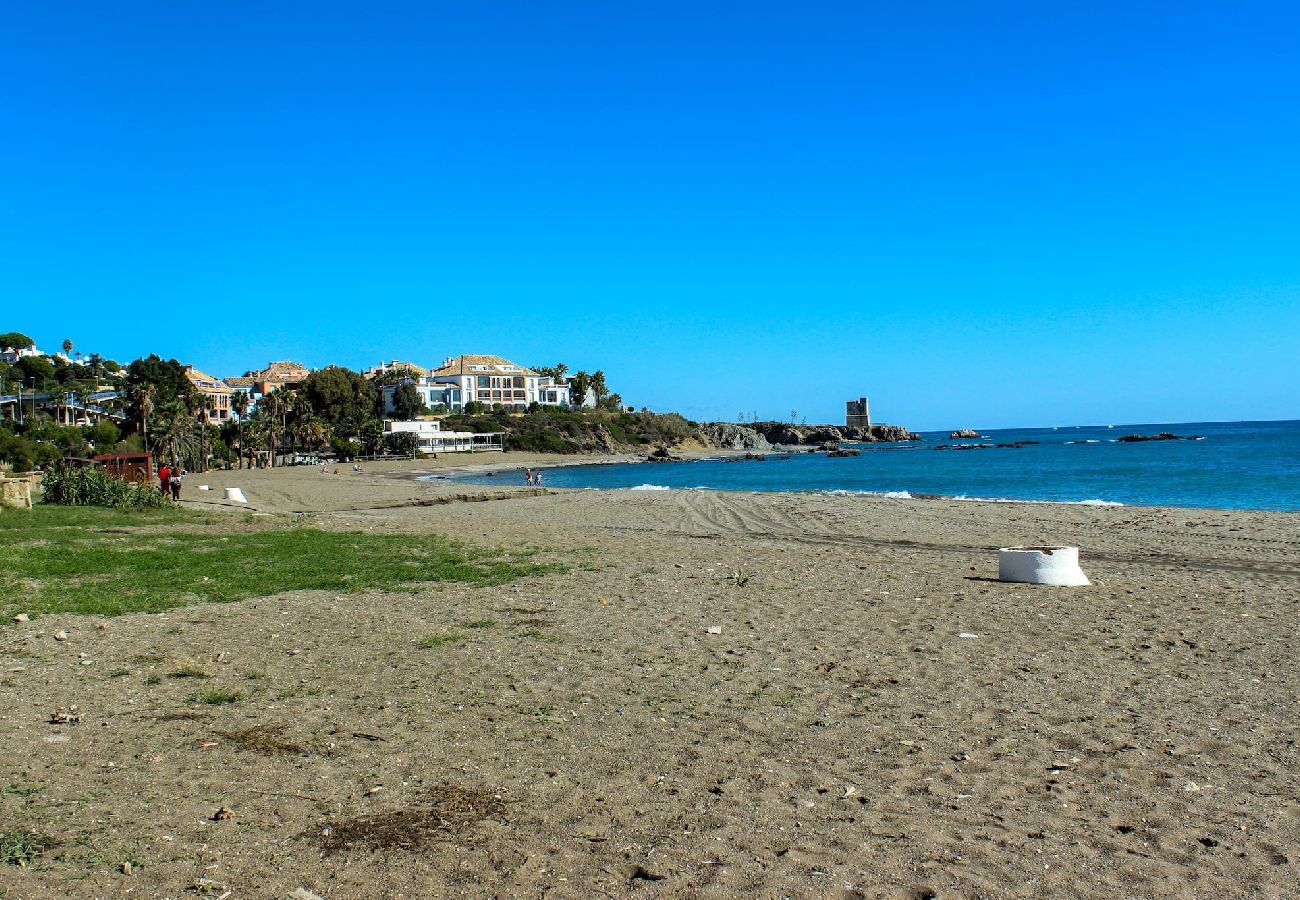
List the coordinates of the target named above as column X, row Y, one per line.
column 1237, row 465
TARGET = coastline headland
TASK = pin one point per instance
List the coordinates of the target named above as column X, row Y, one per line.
column 787, row 435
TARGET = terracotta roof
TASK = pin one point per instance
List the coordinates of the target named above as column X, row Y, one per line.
column 203, row 381
column 241, row 381
column 463, row 365
column 284, row 370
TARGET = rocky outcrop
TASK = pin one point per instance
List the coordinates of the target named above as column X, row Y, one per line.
column 1162, row 436
column 734, row 437
column 785, row 434
column 663, row 454
column 962, row 433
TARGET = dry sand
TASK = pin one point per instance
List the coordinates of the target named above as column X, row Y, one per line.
column 839, row 737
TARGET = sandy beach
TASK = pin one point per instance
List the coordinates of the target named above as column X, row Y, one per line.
column 770, row 694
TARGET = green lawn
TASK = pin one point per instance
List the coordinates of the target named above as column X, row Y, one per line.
column 110, row 562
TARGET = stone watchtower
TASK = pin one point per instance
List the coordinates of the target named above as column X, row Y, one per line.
column 857, row 413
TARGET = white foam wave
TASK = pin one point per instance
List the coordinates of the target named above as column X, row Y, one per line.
column 891, row 495
column 1048, row 502
column 650, row 487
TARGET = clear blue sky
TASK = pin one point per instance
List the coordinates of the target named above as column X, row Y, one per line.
column 975, row 213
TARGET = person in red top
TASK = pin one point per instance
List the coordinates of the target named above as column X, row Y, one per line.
column 164, row 479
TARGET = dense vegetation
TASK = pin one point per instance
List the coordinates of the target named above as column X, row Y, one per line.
column 334, row 410
column 548, row 429
column 65, row 484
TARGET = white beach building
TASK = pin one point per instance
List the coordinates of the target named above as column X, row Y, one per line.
column 430, row 438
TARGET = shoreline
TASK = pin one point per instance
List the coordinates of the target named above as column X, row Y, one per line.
column 461, row 475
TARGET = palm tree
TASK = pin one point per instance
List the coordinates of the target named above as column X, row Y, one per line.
column 311, row 433
column 175, row 434
column 59, row 397
column 265, row 422
column 239, row 403
column 142, row 396
column 198, row 405
column 67, row 346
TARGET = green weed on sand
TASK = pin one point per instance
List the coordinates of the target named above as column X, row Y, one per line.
column 110, row 562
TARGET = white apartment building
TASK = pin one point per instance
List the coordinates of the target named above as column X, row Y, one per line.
column 491, row 380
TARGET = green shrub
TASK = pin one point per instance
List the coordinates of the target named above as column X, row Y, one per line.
column 69, row 485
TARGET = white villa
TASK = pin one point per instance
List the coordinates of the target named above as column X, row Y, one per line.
column 11, row 355
column 489, row 380
column 431, row 438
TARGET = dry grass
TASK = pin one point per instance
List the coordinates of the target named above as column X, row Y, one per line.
column 448, row 813
column 265, row 739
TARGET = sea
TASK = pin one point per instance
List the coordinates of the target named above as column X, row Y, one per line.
column 1229, row 465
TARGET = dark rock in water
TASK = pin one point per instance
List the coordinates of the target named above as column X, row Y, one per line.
column 961, row 433
column 1162, row 436
column 839, row 454
column 1016, row 445
column 661, row 454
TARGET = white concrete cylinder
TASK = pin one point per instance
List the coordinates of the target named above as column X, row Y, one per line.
column 236, row 495
column 1041, row 565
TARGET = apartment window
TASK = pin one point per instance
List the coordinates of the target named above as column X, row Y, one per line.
column 483, row 381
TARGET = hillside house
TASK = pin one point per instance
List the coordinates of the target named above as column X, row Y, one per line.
column 491, row 380
column 216, row 394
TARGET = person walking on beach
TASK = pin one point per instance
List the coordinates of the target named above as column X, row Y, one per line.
column 164, row 479
column 528, row 475
column 537, row 478
column 175, row 484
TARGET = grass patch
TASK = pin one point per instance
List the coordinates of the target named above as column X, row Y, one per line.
column 137, row 566
column 22, row 848
column 188, row 672
column 264, row 739
column 22, row 788
column 215, row 696
column 433, row 641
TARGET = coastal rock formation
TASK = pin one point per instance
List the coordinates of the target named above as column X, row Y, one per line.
column 663, row 454
column 961, row 433
column 1162, row 436
column 733, row 437
column 785, row 434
